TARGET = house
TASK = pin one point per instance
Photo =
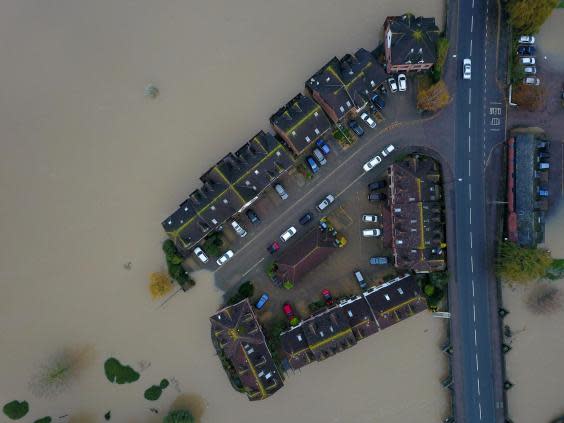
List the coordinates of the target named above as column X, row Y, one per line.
column 238, row 337
column 361, row 318
column 305, row 254
column 410, row 43
column 234, row 183
column 526, row 207
column 418, row 232
column 300, row 123
column 344, row 86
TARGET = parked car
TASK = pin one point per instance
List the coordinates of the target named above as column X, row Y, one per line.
column 376, row 196
column 228, row 255
column 369, row 165
column 467, row 68
column 306, row 218
column 402, row 82
column 370, row 233
column 528, row 61
column 392, row 83
column 262, row 301
column 239, row 229
column 531, row 70
column 388, row 150
column 526, row 50
column 543, row 145
column 378, row 101
column 377, row 185
column 327, row 297
column 281, row 191
column 319, row 156
column 289, row 312
column 201, row 255
column 289, row 233
column 325, row 202
column 272, row 248
column 369, row 218
column 323, row 146
column 252, row 216
column 544, row 155
column 312, row 165
column 360, row 279
column 356, row 128
column 542, row 191
column 526, row 39
column 379, row 260
column 369, row 121
column 544, row 166
column 531, row 80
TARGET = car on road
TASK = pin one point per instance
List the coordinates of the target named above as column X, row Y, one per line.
column 402, row 82
column 526, row 39
column 312, row 165
column 370, row 233
column 356, row 128
column 392, row 83
column 201, row 255
column 531, row 70
column 377, row 185
column 360, row 279
column 528, row 60
column 252, row 216
column 323, row 146
column 369, row 165
column 369, row 121
column 388, row 150
column 306, row 218
column 378, row 101
column 369, row 218
column 327, row 297
column 319, row 156
column 379, row 260
column 239, row 229
column 531, row 80
column 281, row 191
column 225, row 257
column 272, row 248
column 526, row 50
column 325, row 202
column 288, row 233
column 467, row 69
column 262, row 301
column 376, row 196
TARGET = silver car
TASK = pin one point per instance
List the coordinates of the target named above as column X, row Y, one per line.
column 281, row 191
column 228, row 255
column 289, row 233
column 201, row 255
column 325, row 202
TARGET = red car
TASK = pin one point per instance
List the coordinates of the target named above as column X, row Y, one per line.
column 272, row 248
column 327, row 297
column 288, row 311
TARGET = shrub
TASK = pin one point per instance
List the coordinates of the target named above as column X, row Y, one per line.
column 527, row 16
column 316, row 305
column 15, row 410
column 179, row 416
column 442, row 51
column 288, row 284
column 429, row 290
column 522, row 264
column 245, row 290
column 159, row 285
column 272, row 269
column 153, row 393
column 213, row 243
column 44, row 420
column 433, row 98
column 544, row 299
column 556, row 270
column 119, row 373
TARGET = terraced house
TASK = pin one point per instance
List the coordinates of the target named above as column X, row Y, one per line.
column 234, row 183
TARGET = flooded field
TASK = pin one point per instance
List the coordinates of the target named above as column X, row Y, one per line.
column 550, row 41
column 90, row 167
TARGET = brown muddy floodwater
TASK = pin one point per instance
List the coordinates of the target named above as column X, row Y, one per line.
column 89, row 167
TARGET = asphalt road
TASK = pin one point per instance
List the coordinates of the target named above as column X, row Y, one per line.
column 479, row 124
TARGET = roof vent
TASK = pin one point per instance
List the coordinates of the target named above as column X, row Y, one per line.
column 315, row 114
column 308, row 139
column 387, row 297
column 350, row 313
column 400, row 291
column 316, row 131
column 299, row 338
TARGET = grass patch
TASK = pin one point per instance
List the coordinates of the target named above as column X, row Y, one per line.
column 15, row 410
column 119, row 373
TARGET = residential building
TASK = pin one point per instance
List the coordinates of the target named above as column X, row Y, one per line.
column 237, row 334
column 300, row 123
column 418, row 230
column 410, row 43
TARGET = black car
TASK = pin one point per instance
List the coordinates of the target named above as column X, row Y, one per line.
column 526, row 50
column 252, row 216
column 377, row 185
column 378, row 101
column 306, row 218
column 544, row 155
column 356, row 128
column 376, row 196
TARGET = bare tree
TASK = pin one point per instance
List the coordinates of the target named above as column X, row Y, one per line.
column 544, row 299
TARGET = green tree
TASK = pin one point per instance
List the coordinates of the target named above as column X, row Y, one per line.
column 179, row 416
column 15, row 410
column 522, row 264
column 434, row 98
column 527, row 16
column 213, row 243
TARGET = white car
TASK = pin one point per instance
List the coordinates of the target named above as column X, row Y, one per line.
column 369, row 218
column 467, row 69
column 239, row 229
column 281, row 191
column 368, row 120
column 528, row 61
column 392, row 84
column 369, row 233
column 526, row 39
column 402, row 81
column 225, row 257
column 531, row 80
column 369, row 165
column 531, row 70
column 201, row 255
column 325, row 202
column 388, row 150
column 289, row 233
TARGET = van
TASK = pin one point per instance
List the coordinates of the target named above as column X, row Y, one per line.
column 360, row 279
column 239, row 229
column 544, row 166
column 319, row 156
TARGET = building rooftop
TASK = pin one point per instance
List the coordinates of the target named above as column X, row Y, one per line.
column 411, row 39
column 360, row 316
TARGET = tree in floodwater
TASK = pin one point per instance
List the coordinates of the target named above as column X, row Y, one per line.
column 544, row 299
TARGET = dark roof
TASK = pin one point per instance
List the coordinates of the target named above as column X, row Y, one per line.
column 238, row 333
column 374, row 72
column 296, row 348
column 302, row 121
column 305, row 254
column 360, row 316
column 413, row 40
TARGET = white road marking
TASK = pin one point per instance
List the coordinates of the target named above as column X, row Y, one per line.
column 470, row 191
column 472, row 24
column 470, row 215
column 480, row 409
column 470, row 240
column 478, row 386
column 469, row 118
column 469, row 142
column 469, row 95
column 469, row 163
column 477, row 367
column 470, row 48
column 472, row 4
column 253, row 266
column 472, row 287
column 476, row 344
column 474, row 311
column 472, row 263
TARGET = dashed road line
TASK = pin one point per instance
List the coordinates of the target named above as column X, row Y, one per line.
column 469, row 164
column 477, row 366
column 474, row 312
column 476, row 343
column 472, row 287
column 470, row 192
column 470, row 240
column 469, row 95
column 469, row 119
column 253, row 266
column 478, row 386
column 470, row 48
column 472, row 263
column 480, row 409
column 469, row 148
column 470, row 215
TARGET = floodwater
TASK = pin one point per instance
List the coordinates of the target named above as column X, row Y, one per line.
column 535, row 363
column 550, row 39
column 89, row 167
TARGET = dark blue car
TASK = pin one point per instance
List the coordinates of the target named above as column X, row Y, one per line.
column 322, row 145
column 312, row 165
column 356, row 128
